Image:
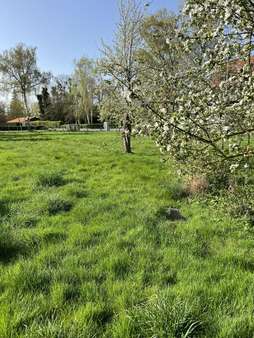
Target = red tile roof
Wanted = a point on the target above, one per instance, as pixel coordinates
(239, 64)
(19, 120)
(23, 119)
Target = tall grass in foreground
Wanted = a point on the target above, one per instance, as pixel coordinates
(85, 250)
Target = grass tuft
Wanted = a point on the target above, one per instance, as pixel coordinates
(50, 179)
(56, 204)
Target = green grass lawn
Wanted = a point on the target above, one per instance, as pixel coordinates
(86, 251)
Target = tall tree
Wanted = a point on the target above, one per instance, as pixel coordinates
(119, 62)
(61, 100)
(16, 107)
(19, 70)
(2, 112)
(83, 87)
(43, 102)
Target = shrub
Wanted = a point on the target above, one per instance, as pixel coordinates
(46, 124)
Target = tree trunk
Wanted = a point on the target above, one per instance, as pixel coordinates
(127, 134)
(88, 118)
(91, 116)
(25, 102)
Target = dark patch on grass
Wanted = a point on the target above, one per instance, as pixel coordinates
(11, 245)
(30, 222)
(120, 268)
(104, 195)
(169, 213)
(4, 208)
(243, 263)
(16, 178)
(71, 293)
(161, 214)
(24, 221)
(33, 278)
(23, 137)
(151, 231)
(201, 245)
(126, 245)
(168, 277)
(80, 193)
(9, 251)
(102, 316)
(50, 179)
(58, 205)
(178, 192)
(54, 237)
(99, 277)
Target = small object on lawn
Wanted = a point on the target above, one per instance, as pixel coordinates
(174, 214)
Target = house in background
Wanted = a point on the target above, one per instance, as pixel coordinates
(22, 121)
(230, 68)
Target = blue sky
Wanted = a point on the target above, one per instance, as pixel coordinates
(63, 30)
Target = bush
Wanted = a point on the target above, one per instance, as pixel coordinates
(46, 124)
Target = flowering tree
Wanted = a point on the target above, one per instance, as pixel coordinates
(196, 84)
(120, 66)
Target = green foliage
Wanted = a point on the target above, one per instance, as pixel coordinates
(61, 103)
(43, 102)
(83, 90)
(2, 112)
(16, 107)
(120, 67)
(47, 124)
(85, 252)
(19, 70)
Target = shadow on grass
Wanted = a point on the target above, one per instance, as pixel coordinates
(35, 136)
(20, 137)
(10, 249)
(4, 209)
(14, 244)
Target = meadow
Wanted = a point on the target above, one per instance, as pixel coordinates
(87, 251)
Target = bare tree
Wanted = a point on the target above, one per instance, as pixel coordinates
(19, 70)
(119, 61)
